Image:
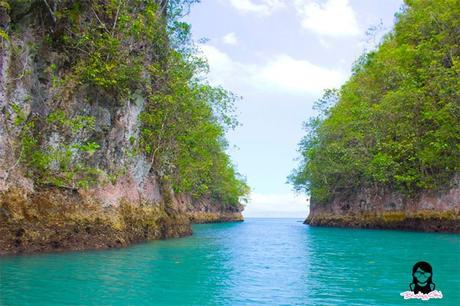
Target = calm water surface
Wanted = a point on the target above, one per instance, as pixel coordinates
(260, 261)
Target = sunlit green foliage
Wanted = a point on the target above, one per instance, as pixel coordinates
(183, 132)
(396, 121)
(54, 164)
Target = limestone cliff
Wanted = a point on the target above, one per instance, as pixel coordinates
(90, 186)
(386, 209)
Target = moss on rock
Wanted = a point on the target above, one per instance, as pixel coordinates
(213, 217)
(56, 219)
(425, 220)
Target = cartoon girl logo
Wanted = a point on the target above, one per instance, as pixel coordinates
(422, 278)
(422, 286)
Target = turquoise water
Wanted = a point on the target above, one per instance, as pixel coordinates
(259, 261)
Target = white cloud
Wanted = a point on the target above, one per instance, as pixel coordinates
(277, 205)
(329, 18)
(260, 7)
(281, 73)
(230, 39)
(287, 73)
(222, 68)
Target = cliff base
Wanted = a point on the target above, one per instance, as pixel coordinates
(56, 220)
(203, 217)
(427, 221)
(384, 208)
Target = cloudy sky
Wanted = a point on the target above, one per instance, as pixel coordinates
(279, 55)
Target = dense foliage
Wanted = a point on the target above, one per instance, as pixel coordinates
(123, 49)
(396, 122)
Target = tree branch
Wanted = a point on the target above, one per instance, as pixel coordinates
(50, 10)
(100, 21)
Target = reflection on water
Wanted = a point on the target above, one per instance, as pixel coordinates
(260, 261)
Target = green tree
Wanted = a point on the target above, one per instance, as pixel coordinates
(396, 121)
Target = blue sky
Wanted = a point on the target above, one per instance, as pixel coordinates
(279, 55)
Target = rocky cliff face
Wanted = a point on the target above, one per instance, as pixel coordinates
(87, 198)
(384, 208)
